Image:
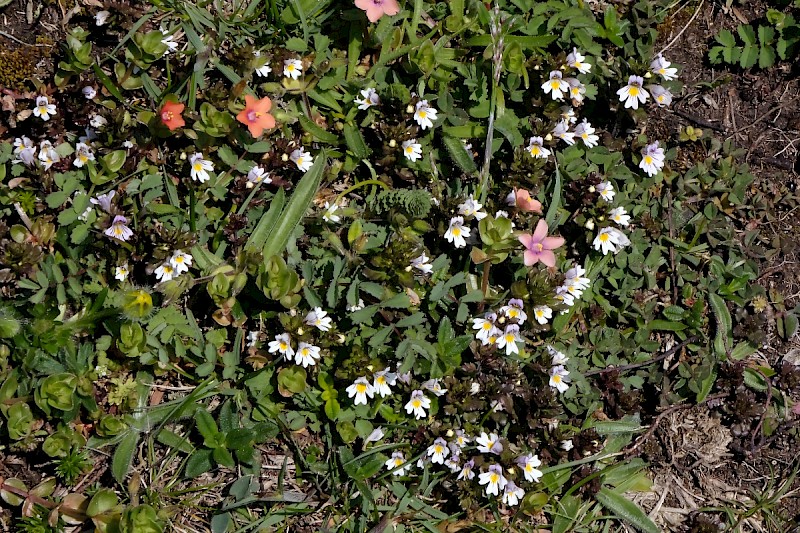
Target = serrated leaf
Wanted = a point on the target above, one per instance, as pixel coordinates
(459, 154)
(726, 39)
(766, 56)
(747, 34)
(626, 510)
(749, 56)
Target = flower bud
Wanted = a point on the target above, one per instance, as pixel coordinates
(589, 224)
(392, 143)
(410, 108)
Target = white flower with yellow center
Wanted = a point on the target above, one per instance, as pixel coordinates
(412, 150)
(121, 272)
(435, 386)
(360, 389)
(536, 148)
(306, 354)
(369, 98)
(329, 214)
(493, 479)
(292, 68)
(200, 167)
(421, 263)
(258, 175)
(165, 272)
(457, 232)
(461, 439)
(515, 310)
(119, 229)
(529, 465)
(509, 339)
(559, 378)
(417, 404)
(24, 150)
(652, 159)
(180, 261)
(382, 380)
(561, 131)
(585, 132)
(633, 93)
(578, 62)
(438, 451)
(424, 114)
(661, 67)
(489, 443)
(466, 470)
(48, 155)
(302, 159)
(493, 336)
(606, 190)
(44, 109)
(661, 95)
(556, 85)
(542, 313)
(620, 216)
(577, 90)
(471, 208)
(83, 154)
(395, 464)
(282, 344)
(484, 326)
(319, 318)
(512, 494)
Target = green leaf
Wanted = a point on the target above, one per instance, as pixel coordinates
(296, 44)
(263, 229)
(296, 208)
(626, 510)
(355, 141)
(459, 154)
(293, 379)
(206, 426)
(749, 56)
(722, 343)
(555, 202)
(123, 456)
(766, 56)
(726, 39)
(316, 131)
(198, 463)
(747, 34)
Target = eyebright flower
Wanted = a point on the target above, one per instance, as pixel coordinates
(484, 326)
(536, 149)
(24, 150)
(121, 272)
(661, 67)
(83, 153)
(566, 445)
(606, 190)
(493, 337)
(578, 62)
(568, 114)
(539, 247)
(421, 264)
(104, 200)
(264, 69)
(119, 229)
(652, 159)
(564, 295)
(453, 461)
(44, 109)
(180, 261)
(89, 92)
(489, 443)
(369, 98)
(357, 307)
(169, 41)
(302, 159)
(257, 175)
(435, 386)
(509, 339)
(329, 214)
(395, 462)
(282, 344)
(515, 310)
(307, 354)
(562, 132)
(424, 114)
(375, 9)
(165, 272)
(556, 85)
(360, 389)
(574, 278)
(255, 115)
(98, 121)
(318, 317)
(493, 479)
(633, 93)
(438, 451)
(524, 202)
(557, 358)
(661, 95)
(417, 404)
(577, 90)
(528, 464)
(200, 167)
(48, 155)
(471, 208)
(376, 435)
(292, 68)
(466, 470)
(101, 17)
(381, 381)
(559, 378)
(585, 132)
(542, 314)
(620, 216)
(171, 115)
(252, 339)
(512, 494)
(461, 438)
(456, 232)
(412, 150)
(610, 240)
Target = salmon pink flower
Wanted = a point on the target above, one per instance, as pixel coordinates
(539, 247)
(171, 115)
(255, 115)
(526, 203)
(375, 9)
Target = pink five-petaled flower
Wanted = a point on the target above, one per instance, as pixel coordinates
(539, 247)
(377, 8)
(526, 203)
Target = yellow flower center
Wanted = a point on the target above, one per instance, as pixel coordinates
(494, 478)
(557, 378)
(457, 232)
(487, 326)
(603, 237)
(299, 161)
(438, 448)
(633, 91)
(361, 388)
(415, 403)
(648, 160)
(197, 167)
(381, 380)
(555, 84)
(283, 346)
(43, 110)
(422, 113)
(509, 338)
(305, 352)
(535, 150)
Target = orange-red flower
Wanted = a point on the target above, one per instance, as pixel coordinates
(255, 115)
(171, 115)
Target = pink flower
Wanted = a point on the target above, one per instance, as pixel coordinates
(526, 203)
(377, 8)
(538, 247)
